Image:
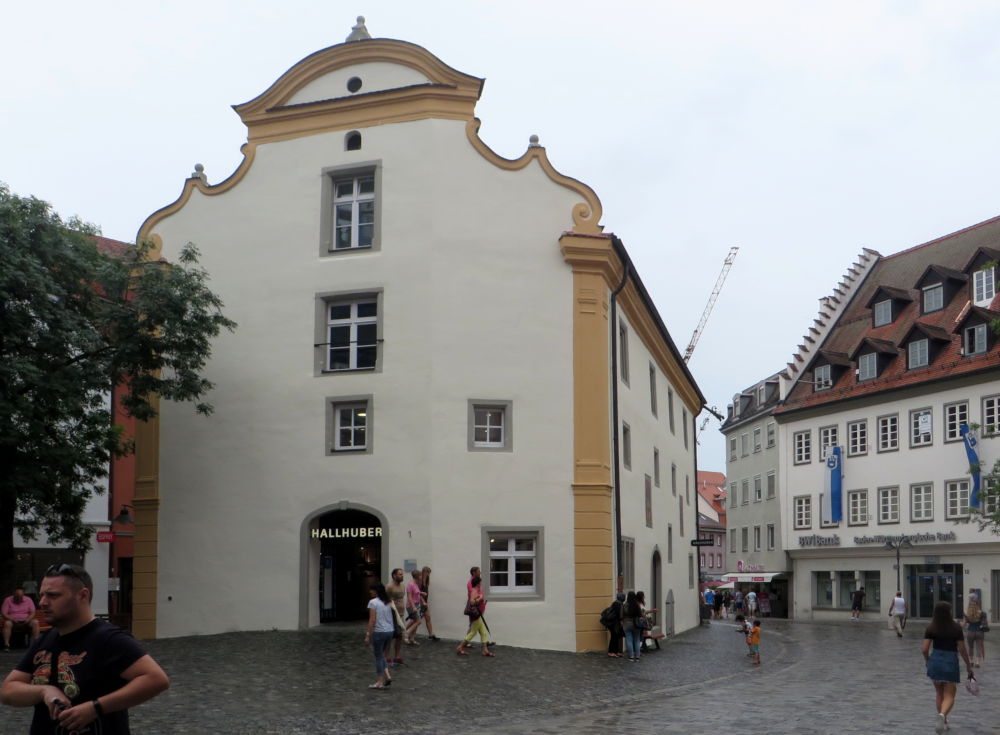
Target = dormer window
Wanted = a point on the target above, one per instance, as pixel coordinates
(984, 286)
(761, 394)
(933, 297)
(868, 366)
(918, 353)
(883, 313)
(822, 377)
(974, 340)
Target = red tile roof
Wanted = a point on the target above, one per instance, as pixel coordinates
(901, 272)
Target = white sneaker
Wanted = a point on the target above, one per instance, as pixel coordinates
(940, 725)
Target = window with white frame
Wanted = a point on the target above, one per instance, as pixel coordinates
(857, 438)
(920, 427)
(771, 434)
(802, 441)
(732, 540)
(353, 212)
(933, 297)
(956, 495)
(351, 334)
(857, 508)
(770, 536)
(758, 489)
(867, 366)
(888, 433)
(745, 494)
(628, 562)
(756, 439)
(348, 424)
(515, 566)
(822, 377)
(803, 511)
(744, 444)
(828, 439)
(670, 417)
(991, 415)
(626, 446)
(918, 352)
(955, 414)
(732, 449)
(652, 388)
(888, 505)
(974, 340)
(882, 312)
(490, 425)
(983, 286)
(922, 502)
(623, 352)
(745, 538)
(756, 538)
(761, 395)
(772, 484)
(656, 466)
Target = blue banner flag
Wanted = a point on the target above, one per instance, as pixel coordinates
(970, 451)
(833, 500)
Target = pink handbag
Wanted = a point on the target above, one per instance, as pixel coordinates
(972, 685)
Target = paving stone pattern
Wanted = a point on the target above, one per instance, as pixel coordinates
(816, 679)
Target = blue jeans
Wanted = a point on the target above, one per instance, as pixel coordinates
(380, 642)
(633, 642)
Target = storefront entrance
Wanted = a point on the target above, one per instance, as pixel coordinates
(350, 559)
(932, 583)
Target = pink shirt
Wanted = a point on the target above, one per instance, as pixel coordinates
(413, 595)
(18, 611)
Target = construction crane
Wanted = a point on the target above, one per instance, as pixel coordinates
(711, 302)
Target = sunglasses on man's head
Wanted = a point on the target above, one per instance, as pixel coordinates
(62, 568)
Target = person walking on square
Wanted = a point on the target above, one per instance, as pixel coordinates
(942, 645)
(753, 640)
(857, 603)
(750, 603)
(738, 601)
(973, 621)
(18, 616)
(898, 610)
(475, 606)
(425, 594)
(379, 632)
(84, 674)
(397, 596)
(414, 602)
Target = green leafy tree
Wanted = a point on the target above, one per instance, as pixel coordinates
(73, 322)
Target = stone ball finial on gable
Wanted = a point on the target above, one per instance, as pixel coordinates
(359, 32)
(199, 173)
(533, 142)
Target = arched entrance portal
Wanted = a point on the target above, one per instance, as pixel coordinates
(350, 559)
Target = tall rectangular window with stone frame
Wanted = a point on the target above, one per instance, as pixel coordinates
(888, 433)
(353, 211)
(921, 502)
(351, 333)
(803, 512)
(888, 505)
(955, 414)
(857, 438)
(802, 442)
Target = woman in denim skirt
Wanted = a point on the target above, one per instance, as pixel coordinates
(942, 644)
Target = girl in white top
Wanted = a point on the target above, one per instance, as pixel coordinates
(379, 633)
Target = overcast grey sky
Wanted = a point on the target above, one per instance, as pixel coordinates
(799, 131)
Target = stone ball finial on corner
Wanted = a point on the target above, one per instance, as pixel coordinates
(533, 142)
(359, 32)
(199, 173)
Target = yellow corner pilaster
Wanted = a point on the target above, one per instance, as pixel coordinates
(147, 511)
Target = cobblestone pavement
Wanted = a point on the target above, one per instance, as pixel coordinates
(843, 678)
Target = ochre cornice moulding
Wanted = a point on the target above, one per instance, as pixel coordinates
(586, 214)
(592, 254)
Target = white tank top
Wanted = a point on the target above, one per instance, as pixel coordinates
(898, 606)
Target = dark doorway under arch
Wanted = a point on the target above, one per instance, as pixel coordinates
(350, 559)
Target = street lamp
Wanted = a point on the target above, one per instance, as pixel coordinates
(902, 543)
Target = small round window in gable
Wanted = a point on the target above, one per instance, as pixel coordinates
(353, 84)
(352, 141)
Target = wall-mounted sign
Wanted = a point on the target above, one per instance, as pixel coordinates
(347, 532)
(817, 540)
(105, 537)
(744, 566)
(915, 538)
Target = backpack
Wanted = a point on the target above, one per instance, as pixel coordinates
(608, 616)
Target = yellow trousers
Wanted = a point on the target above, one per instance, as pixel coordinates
(478, 626)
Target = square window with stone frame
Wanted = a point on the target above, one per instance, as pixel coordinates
(888, 505)
(921, 502)
(956, 495)
(514, 562)
(802, 441)
(955, 414)
(802, 512)
(920, 428)
(888, 433)
(352, 339)
(857, 438)
(490, 425)
(348, 425)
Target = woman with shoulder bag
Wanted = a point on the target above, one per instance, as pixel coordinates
(943, 644)
(474, 608)
(975, 623)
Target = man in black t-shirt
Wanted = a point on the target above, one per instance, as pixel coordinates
(857, 602)
(84, 674)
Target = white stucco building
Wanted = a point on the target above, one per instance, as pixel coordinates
(432, 367)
